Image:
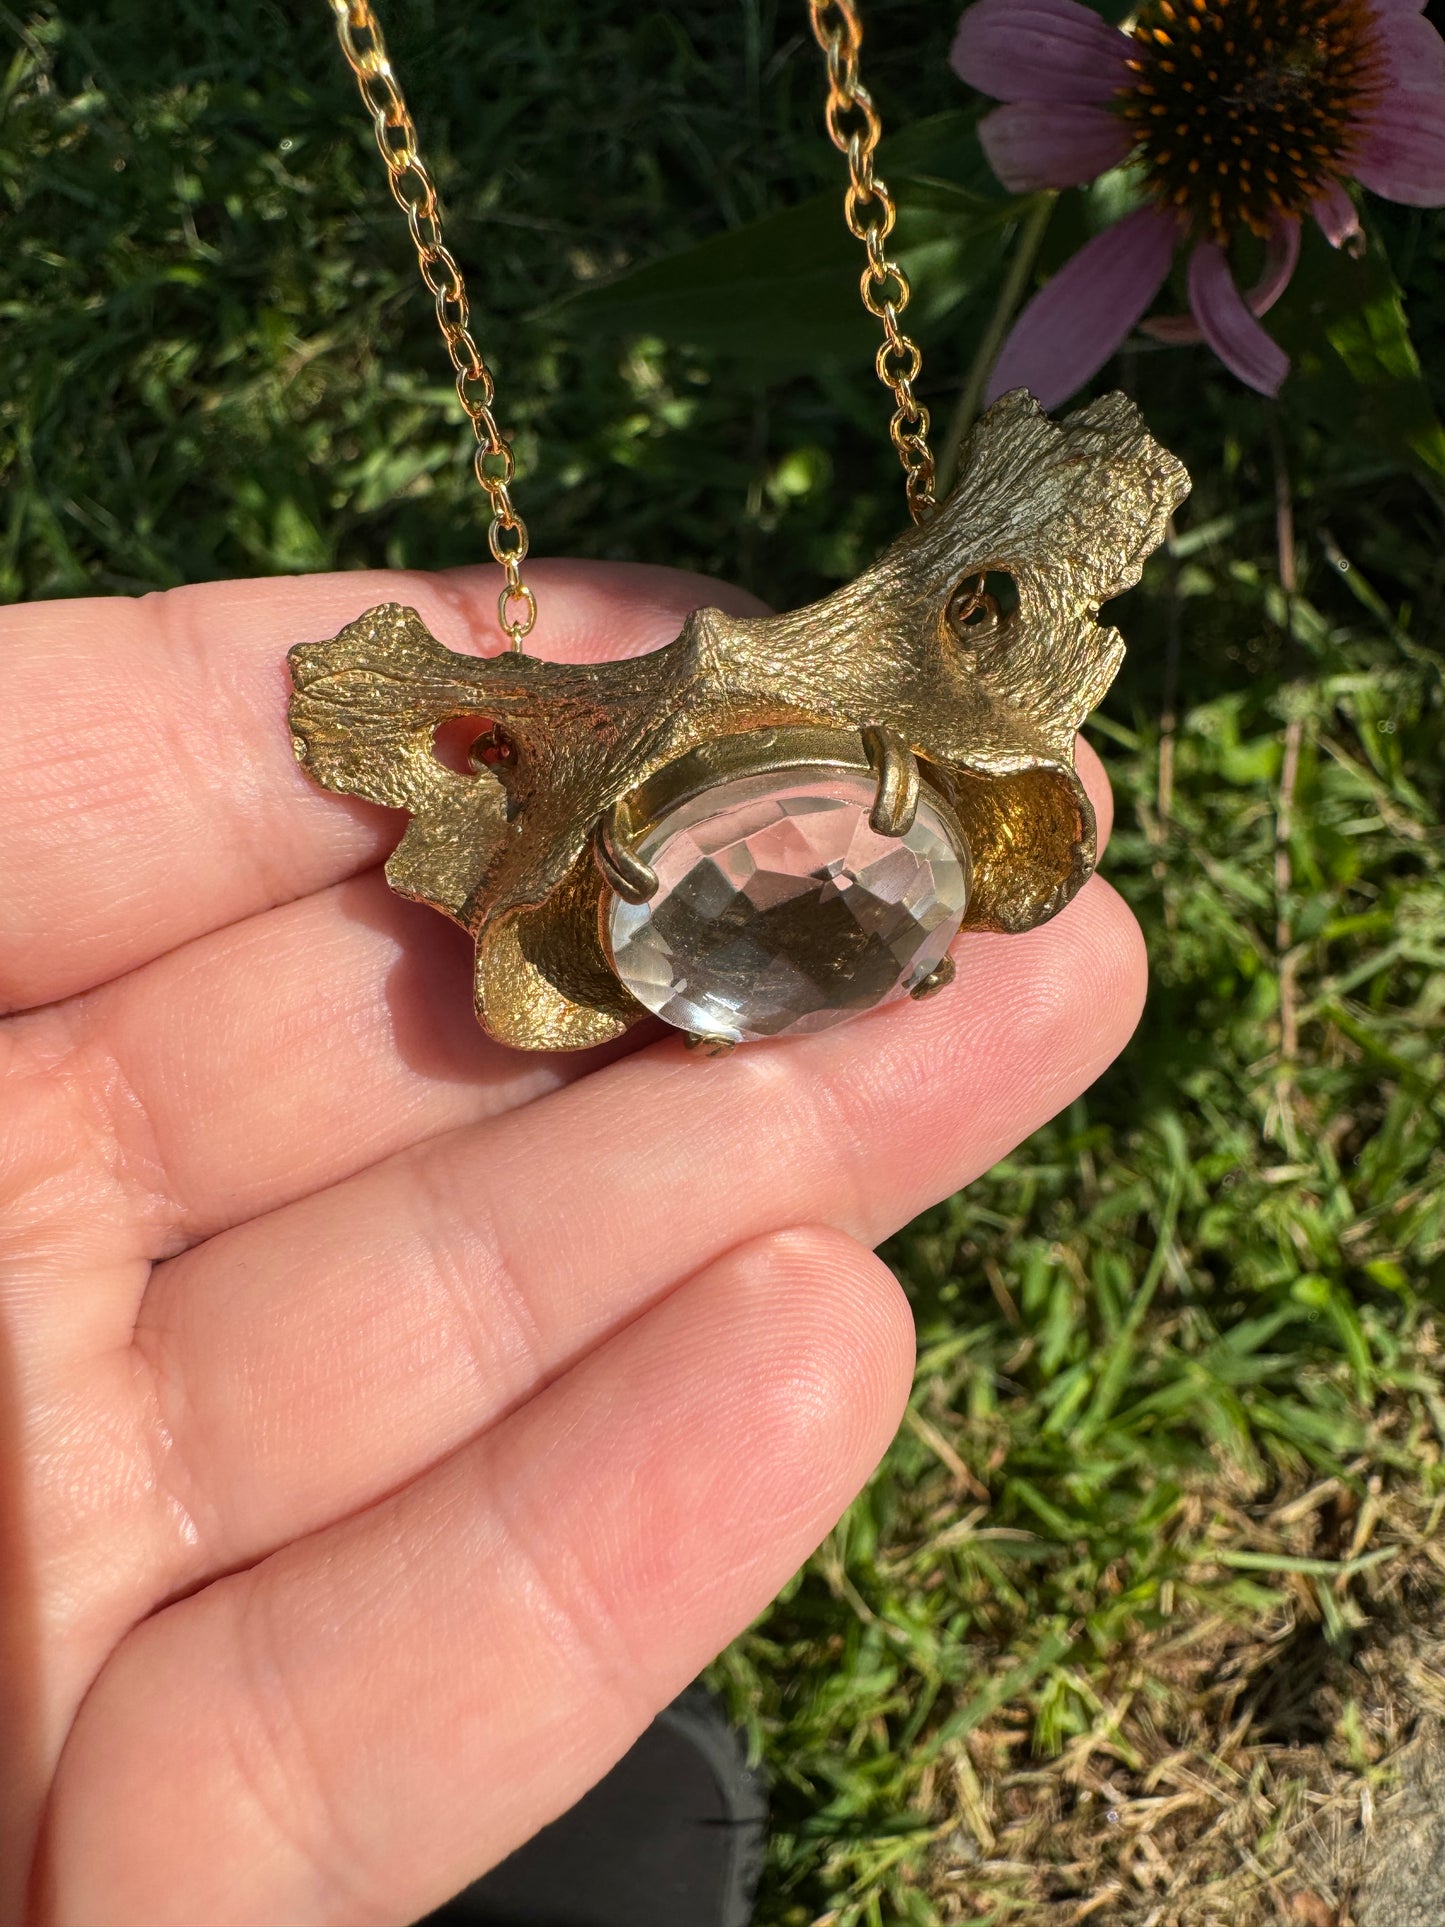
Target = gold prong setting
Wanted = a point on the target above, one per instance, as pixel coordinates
(626, 874)
(708, 1044)
(939, 978)
(896, 805)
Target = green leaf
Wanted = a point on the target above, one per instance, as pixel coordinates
(781, 294)
(944, 147)
(1357, 370)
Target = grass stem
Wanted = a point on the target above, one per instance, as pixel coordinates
(1284, 535)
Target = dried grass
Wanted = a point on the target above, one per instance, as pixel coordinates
(1274, 1775)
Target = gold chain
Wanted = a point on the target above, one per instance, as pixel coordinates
(415, 193)
(854, 129)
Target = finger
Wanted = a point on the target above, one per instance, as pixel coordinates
(286, 1052)
(1095, 779)
(148, 788)
(361, 1724)
(310, 1360)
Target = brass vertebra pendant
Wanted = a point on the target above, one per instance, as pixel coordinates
(902, 717)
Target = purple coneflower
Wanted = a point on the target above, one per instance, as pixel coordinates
(1238, 114)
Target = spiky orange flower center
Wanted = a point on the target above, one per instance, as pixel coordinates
(1246, 110)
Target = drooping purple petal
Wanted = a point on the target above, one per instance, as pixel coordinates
(1337, 215)
(1402, 155)
(1076, 321)
(1227, 324)
(1029, 145)
(1054, 50)
(1281, 258)
(1174, 330)
(1412, 51)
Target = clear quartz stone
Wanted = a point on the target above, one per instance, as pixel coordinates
(779, 909)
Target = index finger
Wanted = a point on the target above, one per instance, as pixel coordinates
(148, 790)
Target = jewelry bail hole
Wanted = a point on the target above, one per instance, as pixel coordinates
(981, 605)
(469, 744)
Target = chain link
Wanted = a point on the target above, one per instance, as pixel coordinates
(359, 31)
(854, 129)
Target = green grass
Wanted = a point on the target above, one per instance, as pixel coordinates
(1157, 1542)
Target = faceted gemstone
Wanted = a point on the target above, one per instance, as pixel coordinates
(780, 909)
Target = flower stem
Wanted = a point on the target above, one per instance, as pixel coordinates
(1030, 235)
(1285, 949)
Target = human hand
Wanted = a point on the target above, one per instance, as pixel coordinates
(391, 1423)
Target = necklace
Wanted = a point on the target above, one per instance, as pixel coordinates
(773, 822)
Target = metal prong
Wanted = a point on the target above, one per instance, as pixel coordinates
(939, 978)
(707, 1045)
(896, 768)
(626, 873)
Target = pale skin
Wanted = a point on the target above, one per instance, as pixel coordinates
(390, 1423)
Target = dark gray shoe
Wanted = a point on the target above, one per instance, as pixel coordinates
(673, 1837)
